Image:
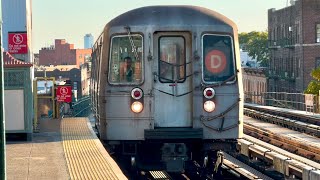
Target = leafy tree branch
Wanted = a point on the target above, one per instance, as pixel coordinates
(256, 43)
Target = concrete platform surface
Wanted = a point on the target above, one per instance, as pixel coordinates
(41, 158)
(63, 149)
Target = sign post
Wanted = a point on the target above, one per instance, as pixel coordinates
(17, 42)
(64, 94)
(309, 102)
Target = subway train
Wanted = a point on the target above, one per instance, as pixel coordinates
(166, 86)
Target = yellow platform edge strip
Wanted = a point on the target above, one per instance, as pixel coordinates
(85, 155)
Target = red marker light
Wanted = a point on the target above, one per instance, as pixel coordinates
(208, 93)
(136, 93)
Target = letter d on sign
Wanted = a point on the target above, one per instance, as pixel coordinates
(215, 61)
(218, 61)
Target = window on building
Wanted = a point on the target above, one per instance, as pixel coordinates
(298, 67)
(126, 59)
(295, 34)
(75, 85)
(318, 33)
(317, 62)
(291, 66)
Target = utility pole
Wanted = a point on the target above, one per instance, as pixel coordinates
(2, 126)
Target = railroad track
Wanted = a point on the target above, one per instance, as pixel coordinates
(290, 123)
(231, 169)
(281, 112)
(305, 158)
(292, 145)
(268, 158)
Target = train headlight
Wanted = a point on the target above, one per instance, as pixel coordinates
(209, 106)
(136, 107)
(208, 93)
(136, 93)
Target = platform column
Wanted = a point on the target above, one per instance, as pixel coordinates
(2, 125)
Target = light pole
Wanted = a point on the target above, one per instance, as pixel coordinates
(2, 126)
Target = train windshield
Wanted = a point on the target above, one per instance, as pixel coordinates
(125, 66)
(172, 59)
(218, 59)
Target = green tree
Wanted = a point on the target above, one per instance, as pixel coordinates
(314, 85)
(256, 43)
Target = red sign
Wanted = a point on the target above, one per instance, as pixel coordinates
(216, 61)
(64, 94)
(18, 43)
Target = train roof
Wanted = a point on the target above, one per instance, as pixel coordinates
(171, 15)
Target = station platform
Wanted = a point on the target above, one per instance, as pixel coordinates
(63, 149)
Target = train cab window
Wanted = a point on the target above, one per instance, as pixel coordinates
(172, 59)
(218, 58)
(125, 66)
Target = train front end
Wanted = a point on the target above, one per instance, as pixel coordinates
(173, 86)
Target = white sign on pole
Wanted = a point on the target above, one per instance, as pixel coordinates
(309, 99)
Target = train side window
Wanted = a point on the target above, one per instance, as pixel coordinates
(125, 66)
(218, 63)
(172, 60)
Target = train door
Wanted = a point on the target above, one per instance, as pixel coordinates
(172, 83)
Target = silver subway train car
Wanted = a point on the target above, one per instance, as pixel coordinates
(166, 85)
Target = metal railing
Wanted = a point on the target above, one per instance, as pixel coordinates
(81, 108)
(61, 110)
(297, 101)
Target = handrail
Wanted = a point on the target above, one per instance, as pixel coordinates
(81, 106)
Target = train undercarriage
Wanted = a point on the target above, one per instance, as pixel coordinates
(194, 156)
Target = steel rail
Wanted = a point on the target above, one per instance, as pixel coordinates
(292, 114)
(290, 167)
(289, 144)
(285, 122)
(243, 169)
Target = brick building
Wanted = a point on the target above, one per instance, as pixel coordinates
(294, 43)
(63, 53)
(254, 84)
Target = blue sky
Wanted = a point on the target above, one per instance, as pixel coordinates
(72, 19)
